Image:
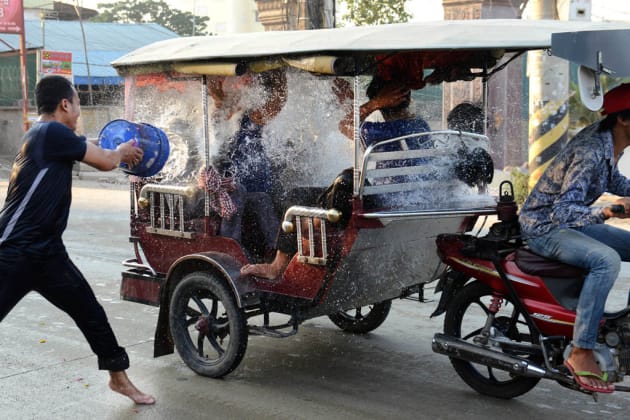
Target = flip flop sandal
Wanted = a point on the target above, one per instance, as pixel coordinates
(578, 375)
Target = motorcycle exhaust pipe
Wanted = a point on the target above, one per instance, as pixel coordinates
(460, 349)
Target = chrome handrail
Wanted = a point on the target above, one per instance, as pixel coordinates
(143, 201)
(332, 215)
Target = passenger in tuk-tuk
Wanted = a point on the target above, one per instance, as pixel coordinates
(338, 196)
(467, 117)
(386, 114)
(475, 167)
(243, 156)
(392, 99)
(242, 160)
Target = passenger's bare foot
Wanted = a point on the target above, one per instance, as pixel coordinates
(269, 271)
(119, 382)
(586, 371)
(265, 271)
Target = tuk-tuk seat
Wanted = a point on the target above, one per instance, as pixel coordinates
(386, 171)
(442, 161)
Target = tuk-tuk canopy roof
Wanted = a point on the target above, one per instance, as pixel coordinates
(506, 35)
(601, 51)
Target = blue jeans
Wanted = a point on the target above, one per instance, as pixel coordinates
(597, 248)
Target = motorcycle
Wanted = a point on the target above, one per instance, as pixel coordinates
(509, 313)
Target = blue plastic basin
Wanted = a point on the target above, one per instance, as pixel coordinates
(149, 138)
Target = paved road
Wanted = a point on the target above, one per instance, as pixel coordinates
(47, 370)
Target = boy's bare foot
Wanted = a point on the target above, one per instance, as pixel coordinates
(119, 382)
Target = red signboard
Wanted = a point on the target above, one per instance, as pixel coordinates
(56, 62)
(11, 17)
(56, 55)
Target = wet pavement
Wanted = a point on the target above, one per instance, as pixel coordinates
(47, 370)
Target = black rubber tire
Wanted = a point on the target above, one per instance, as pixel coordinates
(354, 321)
(485, 380)
(209, 329)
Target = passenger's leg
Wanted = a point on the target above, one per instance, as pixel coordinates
(66, 288)
(286, 243)
(266, 218)
(232, 227)
(286, 247)
(603, 263)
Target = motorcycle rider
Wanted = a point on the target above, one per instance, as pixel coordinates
(559, 223)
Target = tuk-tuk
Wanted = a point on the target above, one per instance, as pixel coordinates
(366, 240)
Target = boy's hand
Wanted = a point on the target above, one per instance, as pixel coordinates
(130, 153)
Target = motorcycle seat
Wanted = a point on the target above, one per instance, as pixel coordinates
(537, 265)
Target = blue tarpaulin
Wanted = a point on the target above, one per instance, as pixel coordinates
(105, 43)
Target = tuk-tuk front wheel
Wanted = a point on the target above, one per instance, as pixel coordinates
(208, 327)
(364, 319)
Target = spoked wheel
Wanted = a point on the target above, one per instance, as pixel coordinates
(363, 319)
(465, 318)
(209, 329)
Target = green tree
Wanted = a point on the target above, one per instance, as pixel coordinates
(375, 12)
(152, 11)
(579, 115)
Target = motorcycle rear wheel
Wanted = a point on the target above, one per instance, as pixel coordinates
(465, 318)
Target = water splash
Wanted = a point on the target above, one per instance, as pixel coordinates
(303, 141)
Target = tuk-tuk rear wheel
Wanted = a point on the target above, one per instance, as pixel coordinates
(362, 320)
(208, 327)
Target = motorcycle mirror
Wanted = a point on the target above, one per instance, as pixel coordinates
(590, 88)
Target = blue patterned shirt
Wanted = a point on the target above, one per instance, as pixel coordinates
(582, 171)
